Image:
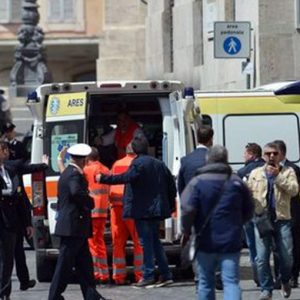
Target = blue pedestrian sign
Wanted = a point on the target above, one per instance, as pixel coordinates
(232, 39)
(232, 45)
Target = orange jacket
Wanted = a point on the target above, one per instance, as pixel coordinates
(122, 139)
(116, 191)
(98, 191)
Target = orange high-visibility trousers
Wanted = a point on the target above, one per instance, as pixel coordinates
(98, 249)
(121, 229)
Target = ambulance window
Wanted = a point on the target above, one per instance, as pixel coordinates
(239, 130)
(61, 134)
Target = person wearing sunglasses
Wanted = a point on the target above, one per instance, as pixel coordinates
(273, 186)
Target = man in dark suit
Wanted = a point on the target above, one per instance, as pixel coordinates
(74, 227)
(8, 220)
(11, 214)
(196, 159)
(17, 152)
(188, 167)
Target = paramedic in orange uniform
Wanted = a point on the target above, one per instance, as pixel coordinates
(99, 192)
(124, 132)
(121, 229)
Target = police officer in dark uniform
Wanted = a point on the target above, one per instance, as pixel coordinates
(11, 213)
(17, 152)
(16, 148)
(74, 227)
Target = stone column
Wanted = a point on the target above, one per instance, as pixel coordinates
(29, 70)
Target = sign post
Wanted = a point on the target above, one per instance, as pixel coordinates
(232, 39)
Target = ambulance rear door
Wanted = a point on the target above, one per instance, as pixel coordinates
(65, 125)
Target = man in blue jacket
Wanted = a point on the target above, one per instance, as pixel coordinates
(188, 167)
(149, 197)
(218, 192)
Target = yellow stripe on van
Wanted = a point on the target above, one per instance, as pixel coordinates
(60, 105)
(245, 105)
(289, 98)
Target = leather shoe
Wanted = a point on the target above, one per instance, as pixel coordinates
(27, 285)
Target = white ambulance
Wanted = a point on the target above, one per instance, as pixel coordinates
(66, 114)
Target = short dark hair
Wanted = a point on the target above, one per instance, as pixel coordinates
(271, 145)
(204, 134)
(94, 155)
(254, 148)
(281, 146)
(140, 143)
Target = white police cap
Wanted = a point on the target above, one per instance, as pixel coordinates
(80, 150)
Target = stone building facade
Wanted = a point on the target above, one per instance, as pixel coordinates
(180, 42)
(84, 41)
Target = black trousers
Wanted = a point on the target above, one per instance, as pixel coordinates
(20, 258)
(73, 252)
(7, 249)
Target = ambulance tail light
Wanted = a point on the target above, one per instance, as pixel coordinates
(38, 193)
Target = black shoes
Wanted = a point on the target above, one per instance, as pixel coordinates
(27, 285)
(277, 283)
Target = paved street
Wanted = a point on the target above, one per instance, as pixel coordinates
(178, 291)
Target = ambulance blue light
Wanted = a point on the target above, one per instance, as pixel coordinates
(188, 92)
(32, 97)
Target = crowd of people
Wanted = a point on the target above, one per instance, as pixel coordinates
(260, 202)
(218, 206)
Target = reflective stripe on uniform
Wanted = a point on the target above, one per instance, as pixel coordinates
(99, 210)
(138, 257)
(100, 270)
(119, 260)
(119, 271)
(99, 260)
(96, 192)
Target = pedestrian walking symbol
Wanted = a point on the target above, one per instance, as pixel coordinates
(232, 45)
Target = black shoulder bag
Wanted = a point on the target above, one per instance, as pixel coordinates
(189, 251)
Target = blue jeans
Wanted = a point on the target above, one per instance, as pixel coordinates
(250, 240)
(148, 231)
(284, 245)
(229, 265)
